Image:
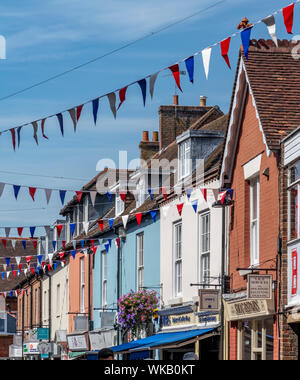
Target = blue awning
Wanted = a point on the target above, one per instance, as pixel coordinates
(161, 340)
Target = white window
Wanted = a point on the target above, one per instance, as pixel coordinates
(120, 206)
(254, 220)
(82, 285)
(104, 279)
(68, 232)
(178, 259)
(140, 260)
(294, 202)
(205, 248)
(185, 162)
(141, 196)
(86, 209)
(45, 306)
(58, 299)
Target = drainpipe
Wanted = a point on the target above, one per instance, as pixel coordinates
(89, 295)
(31, 307)
(23, 310)
(41, 300)
(49, 307)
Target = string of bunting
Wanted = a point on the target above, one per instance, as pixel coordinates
(76, 111)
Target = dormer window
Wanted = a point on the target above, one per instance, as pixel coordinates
(120, 206)
(185, 163)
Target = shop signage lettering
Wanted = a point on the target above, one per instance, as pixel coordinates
(207, 319)
(172, 320)
(260, 287)
(248, 309)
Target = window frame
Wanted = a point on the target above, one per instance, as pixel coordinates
(140, 249)
(254, 255)
(184, 162)
(204, 255)
(82, 285)
(119, 205)
(291, 186)
(177, 260)
(104, 257)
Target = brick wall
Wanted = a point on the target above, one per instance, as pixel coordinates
(249, 146)
(5, 342)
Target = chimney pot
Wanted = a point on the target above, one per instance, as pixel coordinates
(145, 136)
(155, 136)
(203, 101)
(175, 100)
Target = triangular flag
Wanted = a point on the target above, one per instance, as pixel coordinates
(74, 244)
(118, 242)
(82, 242)
(112, 103)
(64, 244)
(16, 190)
(7, 231)
(106, 247)
(28, 259)
(50, 257)
(61, 122)
(288, 16)
(195, 205)
(24, 244)
(7, 260)
(43, 129)
(20, 231)
(151, 194)
(61, 255)
(19, 135)
(72, 228)
(225, 44)
(54, 244)
(204, 193)
(111, 222)
(122, 96)
(222, 196)
(101, 224)
(85, 227)
(79, 195)
(35, 129)
(143, 85)
(152, 83)
(189, 193)
(95, 109)
(73, 253)
(245, 36)
(271, 25)
(189, 63)
(78, 112)
(62, 194)
(4, 242)
(206, 55)
(72, 113)
(230, 192)
(109, 196)
(2, 185)
(139, 217)
(32, 191)
(123, 195)
(176, 74)
(13, 137)
(13, 243)
(93, 195)
(59, 228)
(125, 220)
(40, 257)
(215, 193)
(180, 208)
(48, 193)
(164, 192)
(153, 215)
(32, 231)
(34, 242)
(94, 250)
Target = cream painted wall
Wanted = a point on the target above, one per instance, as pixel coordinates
(190, 244)
(59, 318)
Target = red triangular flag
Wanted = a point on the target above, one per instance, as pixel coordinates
(13, 136)
(79, 195)
(32, 271)
(78, 111)
(225, 49)
(95, 250)
(20, 266)
(164, 192)
(63, 244)
(4, 242)
(14, 273)
(92, 243)
(100, 222)
(123, 196)
(34, 242)
(118, 241)
(176, 74)
(139, 217)
(43, 129)
(28, 259)
(49, 267)
(204, 192)
(61, 255)
(59, 228)
(288, 15)
(122, 95)
(180, 208)
(20, 230)
(32, 191)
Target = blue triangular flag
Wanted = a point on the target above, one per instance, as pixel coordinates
(7, 259)
(245, 36)
(151, 195)
(61, 122)
(38, 269)
(111, 222)
(3, 275)
(24, 244)
(11, 294)
(153, 214)
(73, 253)
(40, 257)
(54, 244)
(32, 231)
(16, 190)
(195, 205)
(72, 228)
(82, 243)
(12, 267)
(55, 265)
(190, 67)
(230, 192)
(109, 242)
(109, 196)
(107, 247)
(35, 265)
(188, 193)
(143, 85)
(62, 194)
(95, 109)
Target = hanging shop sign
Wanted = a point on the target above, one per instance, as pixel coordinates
(260, 287)
(43, 333)
(31, 348)
(77, 342)
(209, 300)
(294, 274)
(248, 309)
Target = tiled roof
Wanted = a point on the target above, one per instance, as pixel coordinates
(274, 76)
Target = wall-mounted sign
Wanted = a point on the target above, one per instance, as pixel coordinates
(77, 342)
(43, 334)
(31, 348)
(209, 300)
(248, 309)
(260, 287)
(294, 274)
(177, 320)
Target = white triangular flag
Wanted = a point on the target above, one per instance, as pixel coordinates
(216, 194)
(271, 25)
(4, 267)
(47, 230)
(85, 227)
(48, 193)
(178, 190)
(206, 54)
(165, 210)
(18, 260)
(62, 264)
(50, 257)
(74, 244)
(7, 274)
(13, 243)
(152, 83)
(93, 195)
(112, 102)
(125, 220)
(2, 185)
(85, 252)
(25, 271)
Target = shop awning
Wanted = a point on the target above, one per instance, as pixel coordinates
(161, 339)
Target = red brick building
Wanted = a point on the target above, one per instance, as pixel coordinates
(262, 112)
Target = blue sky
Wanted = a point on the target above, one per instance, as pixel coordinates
(46, 38)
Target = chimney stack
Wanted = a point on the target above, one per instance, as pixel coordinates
(175, 100)
(149, 148)
(155, 136)
(203, 101)
(145, 136)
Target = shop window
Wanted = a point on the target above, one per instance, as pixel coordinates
(255, 340)
(294, 203)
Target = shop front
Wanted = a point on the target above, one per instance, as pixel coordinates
(252, 326)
